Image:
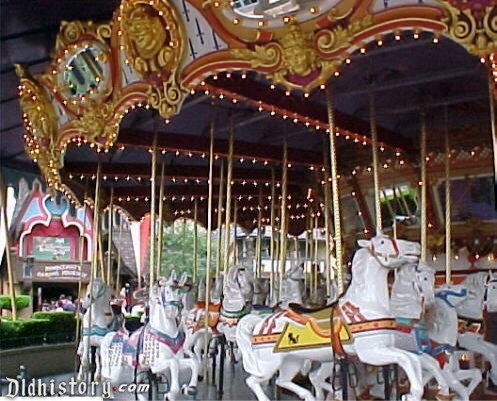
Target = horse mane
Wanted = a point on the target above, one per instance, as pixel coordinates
(360, 257)
(476, 280)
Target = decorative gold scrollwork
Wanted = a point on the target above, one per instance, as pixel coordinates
(473, 28)
(330, 40)
(40, 123)
(261, 57)
(165, 98)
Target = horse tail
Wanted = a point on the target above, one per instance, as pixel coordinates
(244, 331)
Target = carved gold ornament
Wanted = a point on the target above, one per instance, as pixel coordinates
(473, 27)
(40, 124)
(153, 38)
(94, 122)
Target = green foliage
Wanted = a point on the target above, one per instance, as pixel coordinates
(42, 328)
(177, 248)
(22, 301)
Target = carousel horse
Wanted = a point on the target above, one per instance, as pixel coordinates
(237, 291)
(194, 320)
(471, 314)
(362, 326)
(442, 331)
(157, 347)
(292, 287)
(97, 321)
(412, 292)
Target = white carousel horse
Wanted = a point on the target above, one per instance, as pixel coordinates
(412, 291)
(157, 347)
(194, 319)
(483, 285)
(292, 287)
(362, 326)
(102, 320)
(442, 331)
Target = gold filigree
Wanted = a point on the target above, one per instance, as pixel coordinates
(329, 40)
(267, 56)
(93, 123)
(166, 97)
(476, 31)
(40, 123)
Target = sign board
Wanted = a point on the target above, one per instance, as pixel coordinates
(69, 272)
(51, 248)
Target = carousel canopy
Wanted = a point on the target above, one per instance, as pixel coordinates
(168, 73)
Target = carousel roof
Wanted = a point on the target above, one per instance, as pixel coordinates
(409, 72)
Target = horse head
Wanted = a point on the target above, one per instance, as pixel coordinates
(452, 294)
(424, 283)
(96, 291)
(166, 294)
(391, 253)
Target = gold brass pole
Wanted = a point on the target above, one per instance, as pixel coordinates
(326, 211)
(273, 231)
(227, 216)
(152, 240)
(423, 188)
(195, 239)
(235, 219)
(336, 194)
(376, 172)
(96, 224)
(448, 233)
(258, 244)
(209, 229)
(316, 250)
(283, 214)
(118, 272)
(80, 255)
(307, 253)
(8, 256)
(110, 221)
(219, 261)
(160, 235)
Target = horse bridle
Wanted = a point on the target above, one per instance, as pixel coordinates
(168, 303)
(100, 294)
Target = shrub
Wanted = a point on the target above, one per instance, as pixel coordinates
(42, 328)
(22, 301)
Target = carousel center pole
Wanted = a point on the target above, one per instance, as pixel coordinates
(209, 228)
(220, 220)
(8, 256)
(160, 235)
(376, 173)
(227, 217)
(283, 222)
(335, 193)
(423, 187)
(448, 233)
(152, 241)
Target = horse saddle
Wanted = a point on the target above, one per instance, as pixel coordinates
(308, 328)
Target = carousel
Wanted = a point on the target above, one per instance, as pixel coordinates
(340, 158)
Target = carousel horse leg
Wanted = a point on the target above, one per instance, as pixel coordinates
(475, 342)
(192, 365)
(161, 366)
(98, 365)
(318, 380)
(288, 371)
(254, 383)
(431, 369)
(455, 376)
(378, 355)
